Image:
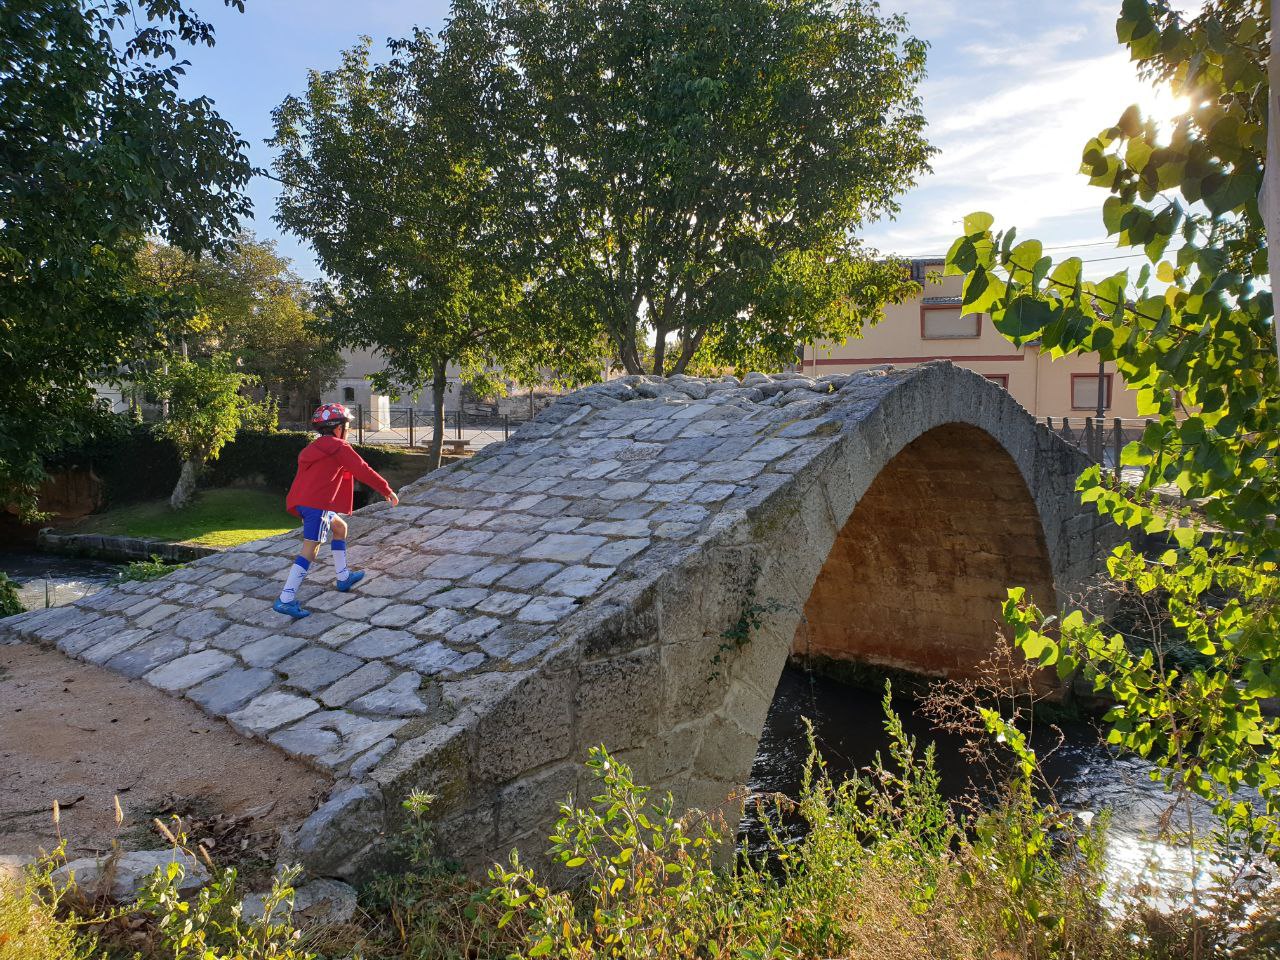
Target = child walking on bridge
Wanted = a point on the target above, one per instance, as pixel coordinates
(323, 489)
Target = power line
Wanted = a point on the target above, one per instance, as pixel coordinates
(1089, 243)
(1124, 256)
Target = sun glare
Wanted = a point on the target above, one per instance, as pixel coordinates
(1164, 107)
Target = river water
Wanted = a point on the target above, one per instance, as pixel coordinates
(46, 579)
(849, 729)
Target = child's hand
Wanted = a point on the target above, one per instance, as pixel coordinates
(395, 500)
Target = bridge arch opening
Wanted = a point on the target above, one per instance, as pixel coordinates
(916, 575)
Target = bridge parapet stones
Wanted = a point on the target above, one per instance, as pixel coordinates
(571, 586)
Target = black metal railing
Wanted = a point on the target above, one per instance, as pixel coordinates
(464, 430)
(1100, 439)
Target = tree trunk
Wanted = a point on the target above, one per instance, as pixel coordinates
(689, 344)
(659, 351)
(629, 355)
(185, 490)
(438, 384)
(631, 362)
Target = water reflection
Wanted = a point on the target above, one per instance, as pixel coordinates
(46, 579)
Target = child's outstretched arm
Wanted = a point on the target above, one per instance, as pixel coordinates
(367, 475)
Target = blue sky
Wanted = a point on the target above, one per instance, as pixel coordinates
(1015, 88)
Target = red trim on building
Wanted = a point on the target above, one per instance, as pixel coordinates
(1000, 378)
(1093, 403)
(854, 361)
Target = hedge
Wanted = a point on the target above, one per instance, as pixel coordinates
(134, 464)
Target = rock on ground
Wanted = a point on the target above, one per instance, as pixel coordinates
(127, 872)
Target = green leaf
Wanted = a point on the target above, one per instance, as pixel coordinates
(1027, 254)
(976, 223)
(1114, 210)
(1024, 317)
(1039, 647)
(1130, 122)
(1041, 270)
(1066, 275)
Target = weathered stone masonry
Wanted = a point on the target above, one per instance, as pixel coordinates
(573, 586)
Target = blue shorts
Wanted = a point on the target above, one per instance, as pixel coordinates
(315, 523)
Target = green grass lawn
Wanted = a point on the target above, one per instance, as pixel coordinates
(223, 517)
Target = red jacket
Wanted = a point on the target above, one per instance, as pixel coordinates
(326, 467)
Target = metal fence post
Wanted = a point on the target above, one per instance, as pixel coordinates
(411, 427)
(360, 422)
(459, 423)
(1119, 445)
(506, 426)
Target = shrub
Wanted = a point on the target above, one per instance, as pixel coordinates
(33, 925)
(650, 886)
(260, 416)
(429, 910)
(131, 461)
(42, 918)
(212, 926)
(136, 464)
(10, 604)
(152, 569)
(269, 458)
(885, 870)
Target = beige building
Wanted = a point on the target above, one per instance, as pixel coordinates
(931, 327)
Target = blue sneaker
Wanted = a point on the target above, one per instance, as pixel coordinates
(290, 609)
(353, 577)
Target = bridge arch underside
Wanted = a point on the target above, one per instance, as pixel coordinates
(917, 573)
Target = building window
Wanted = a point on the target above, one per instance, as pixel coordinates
(349, 394)
(1084, 391)
(946, 323)
(921, 268)
(998, 378)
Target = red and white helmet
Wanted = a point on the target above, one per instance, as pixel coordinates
(330, 413)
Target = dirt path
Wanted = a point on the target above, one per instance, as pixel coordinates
(81, 735)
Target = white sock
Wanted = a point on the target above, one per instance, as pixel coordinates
(299, 570)
(340, 558)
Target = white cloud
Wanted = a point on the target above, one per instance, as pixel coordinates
(1028, 51)
(1010, 142)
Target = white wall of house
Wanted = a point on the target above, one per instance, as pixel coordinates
(111, 397)
(353, 388)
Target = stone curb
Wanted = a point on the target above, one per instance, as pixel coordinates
(104, 547)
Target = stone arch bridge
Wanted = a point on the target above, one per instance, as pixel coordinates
(574, 586)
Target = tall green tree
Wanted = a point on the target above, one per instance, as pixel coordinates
(205, 409)
(247, 303)
(699, 169)
(402, 175)
(1193, 333)
(97, 149)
